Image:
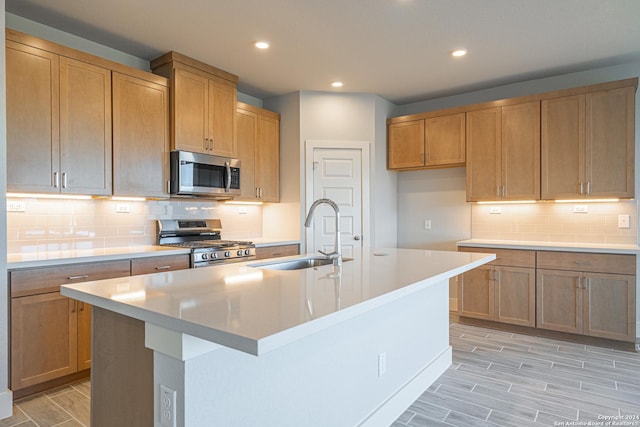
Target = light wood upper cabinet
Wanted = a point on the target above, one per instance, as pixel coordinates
(33, 88)
(503, 152)
(258, 140)
(433, 142)
(588, 145)
(405, 145)
(203, 105)
(140, 137)
(483, 155)
(58, 123)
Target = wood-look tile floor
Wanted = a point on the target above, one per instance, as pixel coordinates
(66, 406)
(497, 379)
(504, 379)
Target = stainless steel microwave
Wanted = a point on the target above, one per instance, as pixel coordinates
(195, 174)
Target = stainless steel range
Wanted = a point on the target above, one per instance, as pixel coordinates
(203, 237)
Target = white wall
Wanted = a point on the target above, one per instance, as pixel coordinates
(5, 393)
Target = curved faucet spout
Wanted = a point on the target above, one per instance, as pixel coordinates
(336, 255)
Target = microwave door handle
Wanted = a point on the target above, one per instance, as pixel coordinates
(228, 186)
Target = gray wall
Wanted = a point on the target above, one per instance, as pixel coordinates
(5, 393)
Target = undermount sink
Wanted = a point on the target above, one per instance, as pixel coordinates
(297, 263)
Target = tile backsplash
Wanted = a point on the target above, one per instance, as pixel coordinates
(48, 224)
(556, 222)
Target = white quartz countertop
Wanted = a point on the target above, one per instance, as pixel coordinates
(551, 246)
(256, 310)
(44, 258)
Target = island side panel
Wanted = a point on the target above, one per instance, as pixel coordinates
(328, 378)
(121, 372)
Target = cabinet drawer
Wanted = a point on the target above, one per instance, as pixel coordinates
(509, 257)
(577, 261)
(48, 279)
(159, 264)
(277, 251)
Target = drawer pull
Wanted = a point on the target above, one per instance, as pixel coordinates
(82, 276)
(163, 267)
(582, 262)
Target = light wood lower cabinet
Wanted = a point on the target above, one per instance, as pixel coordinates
(277, 251)
(158, 264)
(502, 291)
(50, 333)
(583, 301)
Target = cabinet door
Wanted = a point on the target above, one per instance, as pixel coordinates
(190, 112)
(246, 134)
(84, 335)
(521, 151)
(32, 118)
(43, 339)
(445, 140)
(610, 139)
(609, 306)
(267, 173)
(483, 155)
(559, 300)
(405, 145)
(562, 147)
(476, 293)
(515, 296)
(85, 128)
(140, 137)
(222, 119)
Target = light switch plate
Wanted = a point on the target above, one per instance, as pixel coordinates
(580, 208)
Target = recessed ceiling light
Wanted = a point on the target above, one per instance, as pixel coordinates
(458, 53)
(337, 84)
(262, 45)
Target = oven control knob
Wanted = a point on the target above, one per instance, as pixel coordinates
(214, 255)
(247, 251)
(227, 254)
(240, 252)
(205, 256)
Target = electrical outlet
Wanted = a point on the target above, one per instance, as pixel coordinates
(427, 224)
(623, 221)
(123, 208)
(495, 210)
(382, 364)
(242, 210)
(167, 406)
(16, 206)
(580, 208)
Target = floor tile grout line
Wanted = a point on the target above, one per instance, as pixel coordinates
(64, 410)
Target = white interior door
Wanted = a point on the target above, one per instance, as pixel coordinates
(337, 175)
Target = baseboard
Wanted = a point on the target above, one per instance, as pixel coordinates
(397, 403)
(6, 404)
(453, 304)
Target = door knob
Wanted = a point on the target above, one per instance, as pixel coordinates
(356, 237)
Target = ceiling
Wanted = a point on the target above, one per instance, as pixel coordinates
(398, 49)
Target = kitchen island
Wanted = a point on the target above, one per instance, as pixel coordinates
(246, 345)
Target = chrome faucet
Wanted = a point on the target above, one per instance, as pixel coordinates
(336, 255)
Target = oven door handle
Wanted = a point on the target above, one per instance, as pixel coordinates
(227, 188)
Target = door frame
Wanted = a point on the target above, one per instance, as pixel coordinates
(365, 147)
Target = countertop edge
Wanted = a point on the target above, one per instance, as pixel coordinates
(550, 246)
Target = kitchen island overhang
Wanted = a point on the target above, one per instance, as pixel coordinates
(352, 347)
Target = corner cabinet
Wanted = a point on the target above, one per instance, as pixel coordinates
(58, 122)
(501, 291)
(258, 142)
(432, 142)
(203, 105)
(140, 136)
(588, 145)
(503, 153)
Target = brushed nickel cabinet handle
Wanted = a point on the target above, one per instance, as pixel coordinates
(82, 276)
(163, 267)
(56, 180)
(64, 180)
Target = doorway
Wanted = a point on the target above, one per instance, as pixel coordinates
(338, 170)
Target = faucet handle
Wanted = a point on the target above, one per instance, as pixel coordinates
(330, 254)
